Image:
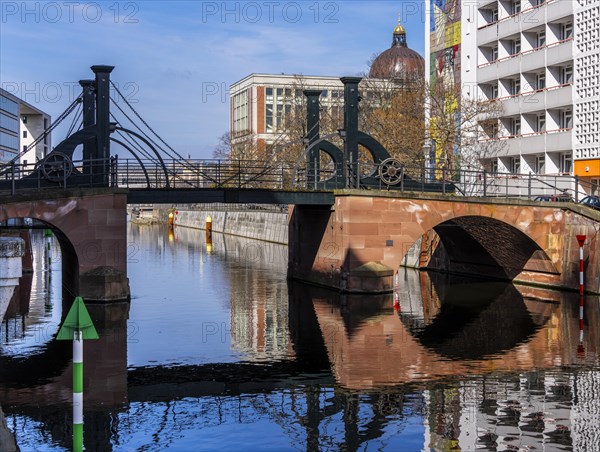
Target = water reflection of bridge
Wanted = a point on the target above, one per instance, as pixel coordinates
(366, 344)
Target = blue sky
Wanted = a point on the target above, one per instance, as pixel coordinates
(176, 59)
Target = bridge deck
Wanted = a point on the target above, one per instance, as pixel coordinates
(264, 196)
(229, 195)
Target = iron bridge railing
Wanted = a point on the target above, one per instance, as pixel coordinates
(137, 174)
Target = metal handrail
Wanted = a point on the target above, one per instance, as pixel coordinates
(210, 174)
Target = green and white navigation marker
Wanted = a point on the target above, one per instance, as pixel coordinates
(77, 326)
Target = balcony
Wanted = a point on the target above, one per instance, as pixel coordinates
(533, 59)
(487, 73)
(537, 143)
(502, 68)
(532, 17)
(536, 101)
(559, 52)
(559, 140)
(509, 66)
(509, 26)
(531, 143)
(487, 34)
(524, 103)
(558, 10)
(561, 96)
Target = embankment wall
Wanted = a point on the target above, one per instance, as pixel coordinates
(266, 226)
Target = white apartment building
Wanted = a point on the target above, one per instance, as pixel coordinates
(20, 125)
(541, 60)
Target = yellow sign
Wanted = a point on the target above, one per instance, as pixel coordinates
(452, 35)
(587, 168)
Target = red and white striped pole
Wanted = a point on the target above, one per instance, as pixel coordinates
(581, 241)
(396, 294)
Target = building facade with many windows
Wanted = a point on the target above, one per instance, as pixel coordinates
(540, 59)
(21, 124)
(261, 105)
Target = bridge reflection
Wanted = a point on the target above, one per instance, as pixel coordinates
(444, 327)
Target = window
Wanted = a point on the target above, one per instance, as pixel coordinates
(566, 31)
(516, 46)
(494, 15)
(566, 162)
(490, 128)
(540, 164)
(8, 122)
(9, 141)
(494, 130)
(541, 80)
(9, 106)
(541, 38)
(269, 118)
(515, 165)
(494, 166)
(515, 126)
(515, 86)
(279, 124)
(24, 148)
(537, 2)
(566, 75)
(24, 119)
(24, 133)
(494, 54)
(269, 92)
(540, 123)
(494, 92)
(566, 119)
(515, 7)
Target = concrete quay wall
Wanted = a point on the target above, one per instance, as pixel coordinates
(265, 226)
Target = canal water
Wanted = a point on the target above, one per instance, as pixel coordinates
(217, 351)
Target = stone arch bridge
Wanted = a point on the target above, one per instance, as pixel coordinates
(357, 244)
(353, 241)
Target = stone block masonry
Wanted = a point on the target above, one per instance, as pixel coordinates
(91, 227)
(353, 245)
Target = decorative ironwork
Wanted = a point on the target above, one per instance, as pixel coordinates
(57, 167)
(391, 172)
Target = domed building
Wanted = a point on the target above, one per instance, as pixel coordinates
(398, 63)
(260, 103)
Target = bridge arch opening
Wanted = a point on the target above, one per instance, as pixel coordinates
(480, 246)
(68, 255)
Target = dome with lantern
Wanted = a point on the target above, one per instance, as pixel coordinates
(398, 63)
